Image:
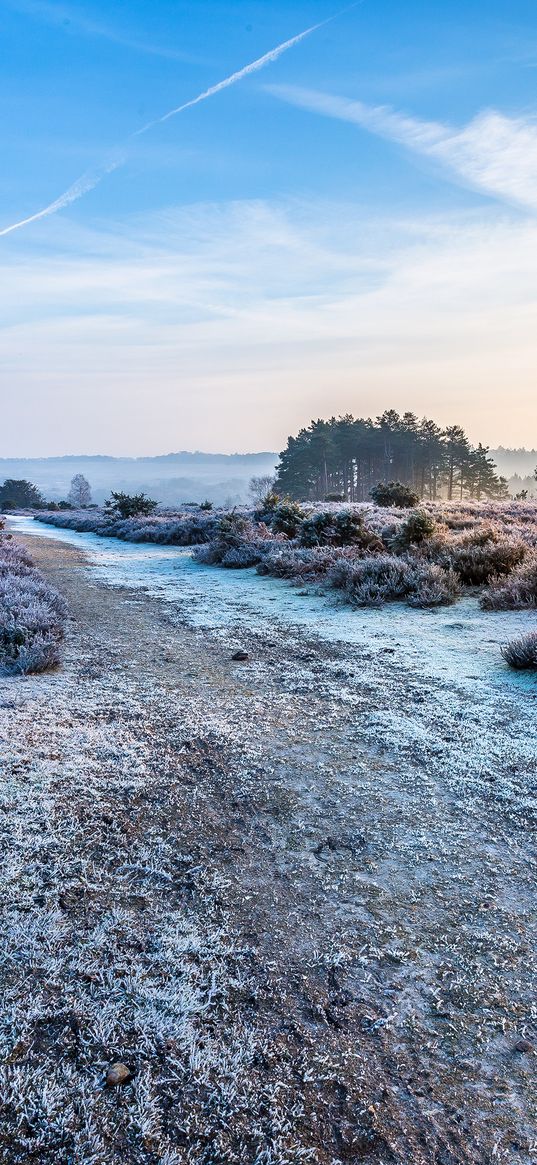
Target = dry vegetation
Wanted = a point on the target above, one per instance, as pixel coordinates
(367, 554)
(32, 613)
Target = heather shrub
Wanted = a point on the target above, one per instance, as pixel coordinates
(476, 564)
(210, 554)
(432, 586)
(417, 528)
(241, 557)
(370, 582)
(521, 653)
(516, 592)
(32, 614)
(394, 493)
(482, 535)
(298, 562)
(237, 543)
(346, 528)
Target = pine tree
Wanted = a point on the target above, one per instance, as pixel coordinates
(20, 494)
(347, 457)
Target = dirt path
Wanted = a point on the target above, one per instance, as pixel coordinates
(307, 938)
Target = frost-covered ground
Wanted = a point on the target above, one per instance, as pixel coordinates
(358, 804)
(457, 644)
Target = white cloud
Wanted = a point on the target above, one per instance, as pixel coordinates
(230, 326)
(493, 153)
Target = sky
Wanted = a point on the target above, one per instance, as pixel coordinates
(349, 226)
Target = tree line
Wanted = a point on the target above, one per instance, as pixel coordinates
(17, 493)
(345, 457)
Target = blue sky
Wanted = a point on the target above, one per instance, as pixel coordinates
(351, 227)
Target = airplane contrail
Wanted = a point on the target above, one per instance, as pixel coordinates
(238, 76)
(82, 185)
(91, 179)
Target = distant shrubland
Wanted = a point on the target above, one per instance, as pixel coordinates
(32, 613)
(366, 554)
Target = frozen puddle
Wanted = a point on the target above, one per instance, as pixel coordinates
(459, 645)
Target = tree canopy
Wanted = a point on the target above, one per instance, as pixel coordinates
(348, 456)
(130, 505)
(19, 494)
(80, 491)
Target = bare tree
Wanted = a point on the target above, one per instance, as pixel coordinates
(259, 487)
(80, 491)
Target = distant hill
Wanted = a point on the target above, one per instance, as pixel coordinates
(170, 478)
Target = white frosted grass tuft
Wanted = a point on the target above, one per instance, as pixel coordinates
(521, 653)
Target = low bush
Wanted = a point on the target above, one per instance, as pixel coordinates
(476, 564)
(394, 493)
(130, 505)
(521, 653)
(234, 557)
(287, 518)
(281, 515)
(298, 562)
(370, 582)
(237, 543)
(32, 613)
(416, 529)
(432, 586)
(516, 592)
(345, 528)
(241, 557)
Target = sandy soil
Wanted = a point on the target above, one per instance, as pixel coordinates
(293, 895)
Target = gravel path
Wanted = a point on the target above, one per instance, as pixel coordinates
(293, 895)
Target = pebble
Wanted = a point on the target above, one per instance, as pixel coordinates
(117, 1074)
(524, 1046)
(240, 656)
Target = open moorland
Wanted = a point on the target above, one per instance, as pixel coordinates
(290, 894)
(365, 554)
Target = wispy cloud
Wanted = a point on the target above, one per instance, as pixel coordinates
(493, 153)
(75, 20)
(232, 324)
(88, 181)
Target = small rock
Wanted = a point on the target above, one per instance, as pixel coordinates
(117, 1074)
(524, 1046)
(240, 656)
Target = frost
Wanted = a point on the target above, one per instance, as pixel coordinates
(32, 613)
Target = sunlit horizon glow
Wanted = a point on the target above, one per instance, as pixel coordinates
(354, 232)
